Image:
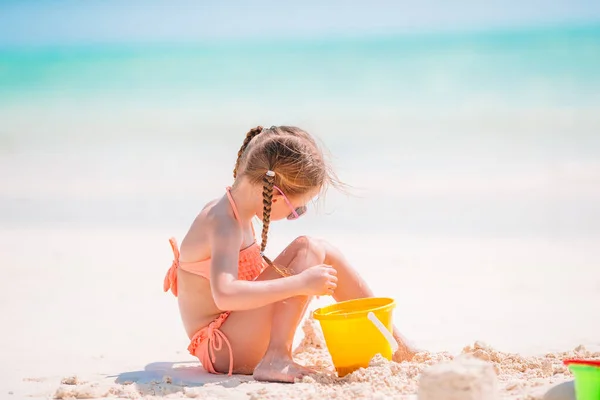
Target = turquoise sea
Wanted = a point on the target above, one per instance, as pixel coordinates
(543, 66)
(475, 133)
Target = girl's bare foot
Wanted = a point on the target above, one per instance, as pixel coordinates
(279, 368)
(406, 350)
(404, 354)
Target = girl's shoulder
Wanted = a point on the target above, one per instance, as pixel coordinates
(215, 215)
(210, 221)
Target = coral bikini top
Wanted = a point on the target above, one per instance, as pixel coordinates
(250, 264)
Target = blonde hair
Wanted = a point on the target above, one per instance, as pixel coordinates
(293, 155)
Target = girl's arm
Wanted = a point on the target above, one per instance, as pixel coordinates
(231, 293)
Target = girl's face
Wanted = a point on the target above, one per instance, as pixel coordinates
(289, 207)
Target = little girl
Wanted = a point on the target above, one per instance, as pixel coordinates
(240, 309)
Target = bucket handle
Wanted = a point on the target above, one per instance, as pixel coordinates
(384, 331)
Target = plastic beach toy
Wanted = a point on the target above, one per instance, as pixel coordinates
(356, 330)
(587, 378)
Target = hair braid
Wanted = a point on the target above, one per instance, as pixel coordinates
(268, 182)
(249, 136)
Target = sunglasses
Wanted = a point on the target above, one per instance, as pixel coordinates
(296, 212)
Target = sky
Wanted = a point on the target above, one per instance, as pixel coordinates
(27, 22)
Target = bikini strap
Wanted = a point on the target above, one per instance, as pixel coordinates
(170, 281)
(235, 211)
(233, 207)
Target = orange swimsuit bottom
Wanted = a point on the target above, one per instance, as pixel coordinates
(210, 338)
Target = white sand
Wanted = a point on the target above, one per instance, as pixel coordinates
(492, 375)
(86, 308)
(464, 378)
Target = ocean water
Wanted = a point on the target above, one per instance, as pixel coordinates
(483, 134)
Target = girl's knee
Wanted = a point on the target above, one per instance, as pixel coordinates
(301, 242)
(310, 248)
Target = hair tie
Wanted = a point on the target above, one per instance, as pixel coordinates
(270, 173)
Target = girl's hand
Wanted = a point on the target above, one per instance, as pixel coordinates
(319, 280)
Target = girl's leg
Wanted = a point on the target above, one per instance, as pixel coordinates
(288, 313)
(268, 332)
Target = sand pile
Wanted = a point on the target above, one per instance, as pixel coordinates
(517, 376)
(464, 378)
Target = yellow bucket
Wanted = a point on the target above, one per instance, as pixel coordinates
(356, 330)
